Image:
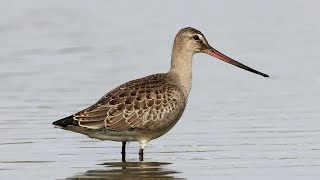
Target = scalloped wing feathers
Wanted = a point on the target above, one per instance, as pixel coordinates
(135, 104)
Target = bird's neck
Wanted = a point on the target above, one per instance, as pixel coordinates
(181, 68)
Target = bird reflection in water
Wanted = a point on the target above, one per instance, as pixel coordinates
(129, 170)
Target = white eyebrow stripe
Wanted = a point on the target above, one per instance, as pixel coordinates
(200, 36)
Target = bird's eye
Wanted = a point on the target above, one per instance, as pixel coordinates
(196, 38)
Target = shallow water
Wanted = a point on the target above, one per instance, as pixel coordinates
(58, 57)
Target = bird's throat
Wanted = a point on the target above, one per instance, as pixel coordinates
(181, 69)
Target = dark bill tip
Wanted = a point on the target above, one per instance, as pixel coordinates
(219, 55)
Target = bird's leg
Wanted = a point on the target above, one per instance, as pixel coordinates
(141, 154)
(123, 152)
(143, 144)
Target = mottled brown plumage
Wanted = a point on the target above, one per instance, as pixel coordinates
(143, 104)
(146, 108)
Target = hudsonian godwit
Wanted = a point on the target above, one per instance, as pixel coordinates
(146, 108)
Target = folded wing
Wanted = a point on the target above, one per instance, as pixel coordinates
(136, 105)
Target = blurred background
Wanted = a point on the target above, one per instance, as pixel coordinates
(58, 57)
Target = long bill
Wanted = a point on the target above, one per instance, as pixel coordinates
(219, 55)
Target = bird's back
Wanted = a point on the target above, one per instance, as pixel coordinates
(149, 104)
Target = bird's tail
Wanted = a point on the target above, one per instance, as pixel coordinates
(68, 121)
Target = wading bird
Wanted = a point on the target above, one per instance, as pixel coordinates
(146, 108)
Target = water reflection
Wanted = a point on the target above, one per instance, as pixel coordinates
(129, 170)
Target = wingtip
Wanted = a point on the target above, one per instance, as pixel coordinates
(64, 122)
(56, 124)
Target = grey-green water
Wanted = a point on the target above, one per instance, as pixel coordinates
(58, 57)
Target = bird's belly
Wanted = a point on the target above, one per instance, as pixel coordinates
(165, 126)
(105, 134)
(124, 135)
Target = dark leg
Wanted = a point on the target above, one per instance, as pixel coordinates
(141, 154)
(123, 152)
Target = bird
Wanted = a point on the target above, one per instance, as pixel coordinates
(147, 108)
